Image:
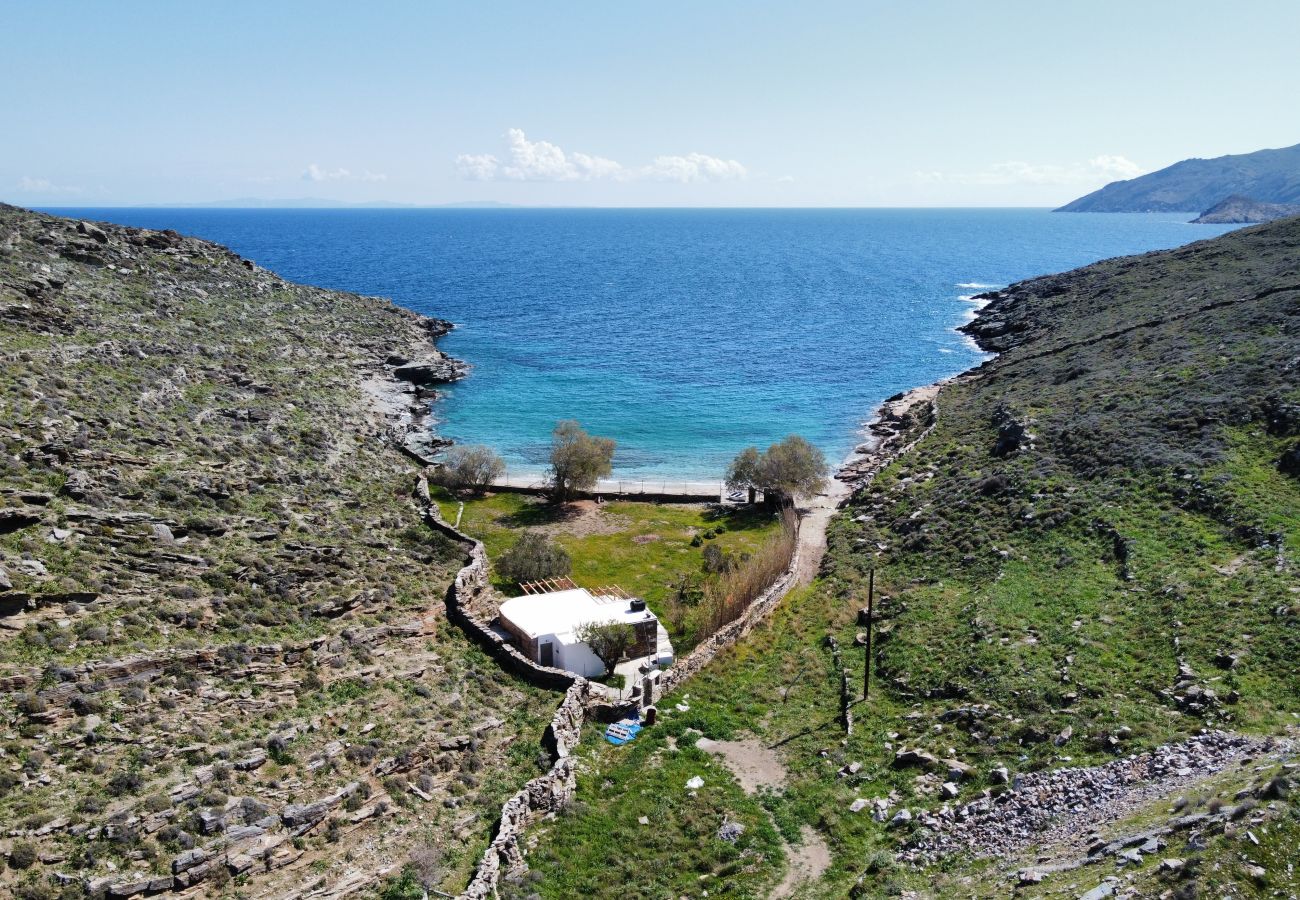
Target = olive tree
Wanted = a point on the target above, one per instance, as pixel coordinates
(610, 641)
(473, 468)
(787, 469)
(578, 460)
(533, 558)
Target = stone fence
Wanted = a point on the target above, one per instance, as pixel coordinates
(543, 796)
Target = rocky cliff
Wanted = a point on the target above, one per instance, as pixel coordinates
(222, 645)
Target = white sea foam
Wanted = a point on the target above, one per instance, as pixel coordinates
(976, 284)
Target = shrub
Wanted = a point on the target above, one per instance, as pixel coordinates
(608, 640)
(471, 468)
(22, 855)
(727, 597)
(532, 558)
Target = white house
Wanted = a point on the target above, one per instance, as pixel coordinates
(545, 624)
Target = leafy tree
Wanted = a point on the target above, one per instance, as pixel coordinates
(790, 468)
(532, 558)
(472, 468)
(608, 640)
(578, 460)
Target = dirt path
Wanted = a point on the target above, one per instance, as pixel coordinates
(758, 766)
(754, 765)
(815, 515)
(807, 863)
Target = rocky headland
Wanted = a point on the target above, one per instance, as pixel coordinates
(1238, 210)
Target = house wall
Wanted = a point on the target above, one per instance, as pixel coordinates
(527, 645)
(577, 657)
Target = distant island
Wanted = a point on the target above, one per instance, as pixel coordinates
(1265, 176)
(1244, 211)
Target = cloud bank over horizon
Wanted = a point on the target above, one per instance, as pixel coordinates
(543, 161)
(314, 172)
(1100, 169)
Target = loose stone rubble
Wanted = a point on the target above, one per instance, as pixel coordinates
(1059, 806)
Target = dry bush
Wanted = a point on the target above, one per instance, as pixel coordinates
(727, 597)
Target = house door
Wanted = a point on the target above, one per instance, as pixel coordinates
(546, 654)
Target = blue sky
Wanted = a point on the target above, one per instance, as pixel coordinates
(631, 104)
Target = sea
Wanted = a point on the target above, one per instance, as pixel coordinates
(684, 334)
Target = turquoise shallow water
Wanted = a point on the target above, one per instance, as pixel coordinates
(684, 334)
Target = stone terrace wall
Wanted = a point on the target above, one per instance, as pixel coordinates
(544, 795)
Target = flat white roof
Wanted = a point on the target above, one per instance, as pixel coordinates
(562, 612)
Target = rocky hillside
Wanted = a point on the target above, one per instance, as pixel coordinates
(1268, 176)
(1238, 210)
(222, 651)
(1100, 531)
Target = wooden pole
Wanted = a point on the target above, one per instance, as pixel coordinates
(866, 658)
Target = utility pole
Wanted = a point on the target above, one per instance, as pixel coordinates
(866, 659)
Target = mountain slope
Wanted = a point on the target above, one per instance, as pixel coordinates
(222, 643)
(1268, 176)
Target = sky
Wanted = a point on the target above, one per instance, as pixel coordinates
(812, 103)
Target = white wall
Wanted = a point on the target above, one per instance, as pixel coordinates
(578, 658)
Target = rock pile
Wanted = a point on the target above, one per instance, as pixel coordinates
(1039, 806)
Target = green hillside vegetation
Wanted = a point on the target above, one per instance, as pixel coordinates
(1102, 506)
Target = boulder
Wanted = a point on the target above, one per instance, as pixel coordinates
(958, 770)
(913, 758)
(188, 860)
(17, 519)
(999, 775)
(1013, 434)
(1289, 464)
(433, 369)
(93, 231)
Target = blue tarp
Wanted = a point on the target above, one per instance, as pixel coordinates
(622, 732)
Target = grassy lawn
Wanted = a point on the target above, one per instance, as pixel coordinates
(602, 849)
(644, 548)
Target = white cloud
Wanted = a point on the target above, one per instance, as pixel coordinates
(544, 161)
(477, 167)
(1116, 166)
(785, 179)
(694, 167)
(1106, 167)
(45, 186)
(314, 172)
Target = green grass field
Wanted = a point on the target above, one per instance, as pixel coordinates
(644, 548)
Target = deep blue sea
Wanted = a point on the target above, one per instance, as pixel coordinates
(684, 334)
